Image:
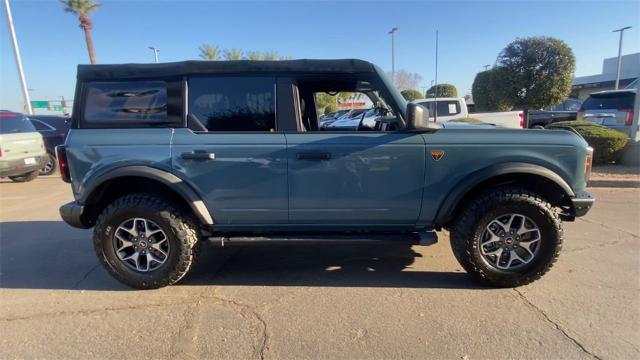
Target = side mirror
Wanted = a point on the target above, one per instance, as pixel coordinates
(417, 117)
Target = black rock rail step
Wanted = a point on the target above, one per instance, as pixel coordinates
(422, 238)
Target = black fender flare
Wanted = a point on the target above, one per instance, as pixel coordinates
(162, 176)
(462, 188)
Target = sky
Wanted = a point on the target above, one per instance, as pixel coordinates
(471, 35)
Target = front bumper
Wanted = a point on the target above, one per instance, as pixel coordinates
(72, 213)
(17, 167)
(582, 203)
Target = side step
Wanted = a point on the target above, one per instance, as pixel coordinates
(422, 238)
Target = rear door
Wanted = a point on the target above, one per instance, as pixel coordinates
(232, 152)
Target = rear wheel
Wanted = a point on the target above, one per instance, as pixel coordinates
(24, 178)
(145, 242)
(507, 237)
(51, 166)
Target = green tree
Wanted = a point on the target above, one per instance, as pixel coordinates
(489, 92)
(253, 55)
(538, 71)
(330, 109)
(83, 8)
(442, 90)
(411, 94)
(232, 54)
(209, 52)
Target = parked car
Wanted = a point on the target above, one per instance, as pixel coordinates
(22, 151)
(565, 111)
(611, 108)
(361, 120)
(346, 120)
(54, 131)
(330, 118)
(157, 170)
(447, 109)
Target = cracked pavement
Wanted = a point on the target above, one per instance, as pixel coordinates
(316, 301)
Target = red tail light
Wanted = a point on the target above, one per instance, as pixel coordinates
(63, 165)
(629, 119)
(1, 151)
(521, 115)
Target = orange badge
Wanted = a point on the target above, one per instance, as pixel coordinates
(437, 154)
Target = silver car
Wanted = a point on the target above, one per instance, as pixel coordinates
(22, 152)
(611, 108)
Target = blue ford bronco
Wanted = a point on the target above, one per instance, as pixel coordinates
(164, 157)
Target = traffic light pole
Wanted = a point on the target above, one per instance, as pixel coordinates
(16, 54)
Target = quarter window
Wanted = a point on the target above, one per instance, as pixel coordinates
(126, 102)
(233, 103)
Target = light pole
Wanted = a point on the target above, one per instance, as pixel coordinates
(393, 56)
(621, 31)
(16, 54)
(155, 53)
(486, 67)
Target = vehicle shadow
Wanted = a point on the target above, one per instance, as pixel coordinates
(53, 255)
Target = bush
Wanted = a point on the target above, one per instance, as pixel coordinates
(469, 120)
(607, 143)
(443, 90)
(411, 94)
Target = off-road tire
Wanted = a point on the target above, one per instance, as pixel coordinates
(467, 231)
(25, 178)
(179, 227)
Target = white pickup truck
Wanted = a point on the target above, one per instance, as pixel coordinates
(456, 108)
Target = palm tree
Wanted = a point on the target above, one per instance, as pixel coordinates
(209, 52)
(233, 54)
(83, 8)
(253, 55)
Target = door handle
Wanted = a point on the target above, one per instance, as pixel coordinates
(198, 155)
(313, 156)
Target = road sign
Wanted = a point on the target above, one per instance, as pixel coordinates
(57, 107)
(40, 104)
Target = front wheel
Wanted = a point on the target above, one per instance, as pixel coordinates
(145, 242)
(507, 237)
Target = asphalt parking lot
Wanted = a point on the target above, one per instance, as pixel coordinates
(315, 302)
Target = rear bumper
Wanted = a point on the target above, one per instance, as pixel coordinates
(72, 213)
(582, 203)
(17, 167)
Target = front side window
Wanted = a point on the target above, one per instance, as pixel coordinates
(126, 102)
(233, 103)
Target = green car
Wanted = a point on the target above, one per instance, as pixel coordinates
(22, 152)
(164, 157)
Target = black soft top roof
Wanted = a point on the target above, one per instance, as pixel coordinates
(132, 71)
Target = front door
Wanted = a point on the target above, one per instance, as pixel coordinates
(232, 154)
(355, 178)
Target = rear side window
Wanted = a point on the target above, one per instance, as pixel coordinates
(126, 103)
(609, 101)
(233, 103)
(15, 124)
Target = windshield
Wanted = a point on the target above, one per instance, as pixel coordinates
(397, 97)
(15, 124)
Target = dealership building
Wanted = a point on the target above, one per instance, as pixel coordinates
(585, 85)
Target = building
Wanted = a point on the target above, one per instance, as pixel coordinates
(585, 85)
